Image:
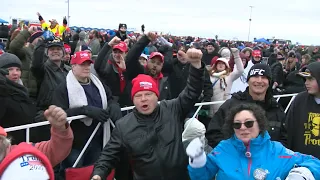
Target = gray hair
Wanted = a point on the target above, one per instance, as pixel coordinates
(4, 144)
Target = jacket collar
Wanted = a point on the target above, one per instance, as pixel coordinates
(254, 143)
(269, 101)
(54, 66)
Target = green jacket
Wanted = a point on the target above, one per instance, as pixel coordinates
(25, 54)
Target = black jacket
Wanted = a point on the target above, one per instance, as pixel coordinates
(153, 142)
(134, 68)
(80, 130)
(274, 113)
(178, 75)
(48, 76)
(16, 108)
(277, 73)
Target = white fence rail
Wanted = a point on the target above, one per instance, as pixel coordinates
(106, 126)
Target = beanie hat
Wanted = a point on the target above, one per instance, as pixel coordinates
(122, 25)
(9, 60)
(260, 70)
(26, 162)
(35, 36)
(144, 83)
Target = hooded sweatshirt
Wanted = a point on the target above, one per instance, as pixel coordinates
(303, 120)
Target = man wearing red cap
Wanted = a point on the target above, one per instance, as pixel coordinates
(151, 134)
(83, 94)
(153, 68)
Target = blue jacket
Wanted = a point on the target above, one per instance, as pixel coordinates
(231, 159)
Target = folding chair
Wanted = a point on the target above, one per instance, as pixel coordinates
(83, 173)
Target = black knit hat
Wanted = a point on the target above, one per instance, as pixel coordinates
(122, 25)
(9, 60)
(260, 69)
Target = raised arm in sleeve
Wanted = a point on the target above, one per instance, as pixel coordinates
(100, 64)
(37, 67)
(16, 45)
(134, 68)
(236, 73)
(189, 96)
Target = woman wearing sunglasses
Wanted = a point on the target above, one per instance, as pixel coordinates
(249, 153)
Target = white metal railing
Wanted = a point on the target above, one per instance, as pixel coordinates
(106, 125)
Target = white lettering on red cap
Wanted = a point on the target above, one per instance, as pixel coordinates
(84, 55)
(145, 85)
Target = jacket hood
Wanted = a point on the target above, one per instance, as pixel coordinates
(82, 35)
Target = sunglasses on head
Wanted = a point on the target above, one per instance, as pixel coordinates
(248, 124)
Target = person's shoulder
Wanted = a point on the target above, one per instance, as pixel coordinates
(302, 95)
(126, 121)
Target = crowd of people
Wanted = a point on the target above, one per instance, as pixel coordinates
(52, 72)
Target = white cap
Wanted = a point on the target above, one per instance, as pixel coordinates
(26, 167)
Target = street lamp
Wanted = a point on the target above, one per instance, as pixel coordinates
(250, 22)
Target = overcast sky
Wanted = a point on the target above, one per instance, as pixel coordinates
(296, 20)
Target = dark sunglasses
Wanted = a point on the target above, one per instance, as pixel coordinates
(248, 124)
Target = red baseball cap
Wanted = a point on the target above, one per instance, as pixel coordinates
(256, 53)
(154, 54)
(122, 46)
(80, 57)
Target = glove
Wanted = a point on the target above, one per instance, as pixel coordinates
(48, 36)
(195, 151)
(114, 111)
(300, 173)
(235, 52)
(64, 21)
(96, 113)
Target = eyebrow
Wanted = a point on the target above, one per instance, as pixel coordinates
(248, 119)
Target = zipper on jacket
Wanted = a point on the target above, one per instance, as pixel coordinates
(248, 155)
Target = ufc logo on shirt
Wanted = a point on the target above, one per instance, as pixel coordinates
(259, 72)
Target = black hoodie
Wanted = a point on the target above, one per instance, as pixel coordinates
(303, 120)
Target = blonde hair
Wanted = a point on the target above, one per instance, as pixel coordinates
(4, 145)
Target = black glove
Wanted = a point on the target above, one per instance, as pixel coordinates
(96, 113)
(114, 111)
(65, 20)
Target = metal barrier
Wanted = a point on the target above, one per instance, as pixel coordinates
(106, 125)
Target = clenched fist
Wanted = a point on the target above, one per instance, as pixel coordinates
(56, 116)
(114, 41)
(151, 36)
(194, 57)
(235, 52)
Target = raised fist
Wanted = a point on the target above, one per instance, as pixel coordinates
(114, 41)
(151, 36)
(235, 52)
(194, 55)
(56, 116)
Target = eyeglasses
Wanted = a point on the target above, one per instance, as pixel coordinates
(248, 124)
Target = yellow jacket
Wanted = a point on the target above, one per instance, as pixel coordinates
(57, 30)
